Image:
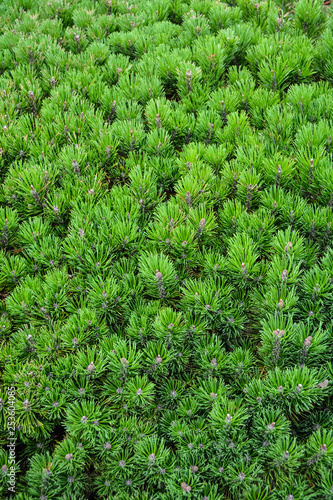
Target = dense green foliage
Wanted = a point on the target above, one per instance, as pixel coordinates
(166, 261)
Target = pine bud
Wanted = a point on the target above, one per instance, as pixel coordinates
(91, 367)
(271, 426)
(158, 359)
(124, 361)
(307, 341)
(228, 418)
(76, 167)
(152, 457)
(280, 304)
(160, 284)
(139, 392)
(122, 463)
(189, 80)
(241, 476)
(185, 487)
(194, 468)
(26, 404)
(69, 456)
(286, 455)
(159, 275)
(288, 247)
(324, 384)
(188, 199)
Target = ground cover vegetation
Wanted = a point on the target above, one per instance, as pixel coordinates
(166, 261)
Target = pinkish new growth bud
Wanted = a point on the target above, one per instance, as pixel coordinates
(279, 333)
(185, 487)
(307, 341)
(158, 275)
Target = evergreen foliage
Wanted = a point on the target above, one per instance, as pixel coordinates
(166, 249)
